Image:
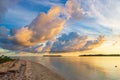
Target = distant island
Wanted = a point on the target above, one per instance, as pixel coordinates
(116, 55)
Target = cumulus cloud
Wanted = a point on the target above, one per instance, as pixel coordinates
(6, 41)
(48, 46)
(75, 42)
(68, 42)
(32, 49)
(23, 36)
(47, 26)
(43, 27)
(4, 5)
(71, 42)
(91, 44)
(74, 10)
(8, 44)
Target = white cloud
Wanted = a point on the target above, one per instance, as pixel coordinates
(106, 12)
(47, 2)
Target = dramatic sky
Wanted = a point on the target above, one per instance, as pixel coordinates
(59, 25)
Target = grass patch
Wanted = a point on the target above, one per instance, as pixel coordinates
(5, 59)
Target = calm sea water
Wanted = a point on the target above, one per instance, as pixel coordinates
(82, 68)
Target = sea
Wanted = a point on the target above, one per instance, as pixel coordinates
(82, 68)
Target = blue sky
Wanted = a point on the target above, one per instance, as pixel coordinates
(24, 11)
(38, 21)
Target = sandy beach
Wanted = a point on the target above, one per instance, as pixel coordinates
(26, 70)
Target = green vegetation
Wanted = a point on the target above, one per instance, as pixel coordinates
(5, 59)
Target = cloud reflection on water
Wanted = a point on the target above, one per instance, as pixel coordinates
(79, 69)
(83, 68)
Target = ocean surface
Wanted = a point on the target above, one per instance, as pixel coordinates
(82, 68)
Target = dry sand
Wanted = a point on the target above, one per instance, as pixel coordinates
(26, 70)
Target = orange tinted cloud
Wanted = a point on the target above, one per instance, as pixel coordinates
(23, 36)
(100, 40)
(74, 10)
(44, 27)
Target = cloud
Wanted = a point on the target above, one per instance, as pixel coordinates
(68, 42)
(23, 36)
(46, 26)
(74, 10)
(81, 69)
(32, 49)
(5, 43)
(75, 42)
(43, 27)
(4, 5)
(71, 42)
(105, 12)
(14, 16)
(3, 31)
(48, 3)
(91, 44)
(110, 46)
(47, 47)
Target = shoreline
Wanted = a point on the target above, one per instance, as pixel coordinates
(27, 70)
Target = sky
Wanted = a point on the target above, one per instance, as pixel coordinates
(59, 25)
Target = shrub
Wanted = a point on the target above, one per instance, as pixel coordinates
(5, 59)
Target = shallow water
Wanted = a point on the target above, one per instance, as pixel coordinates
(83, 68)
